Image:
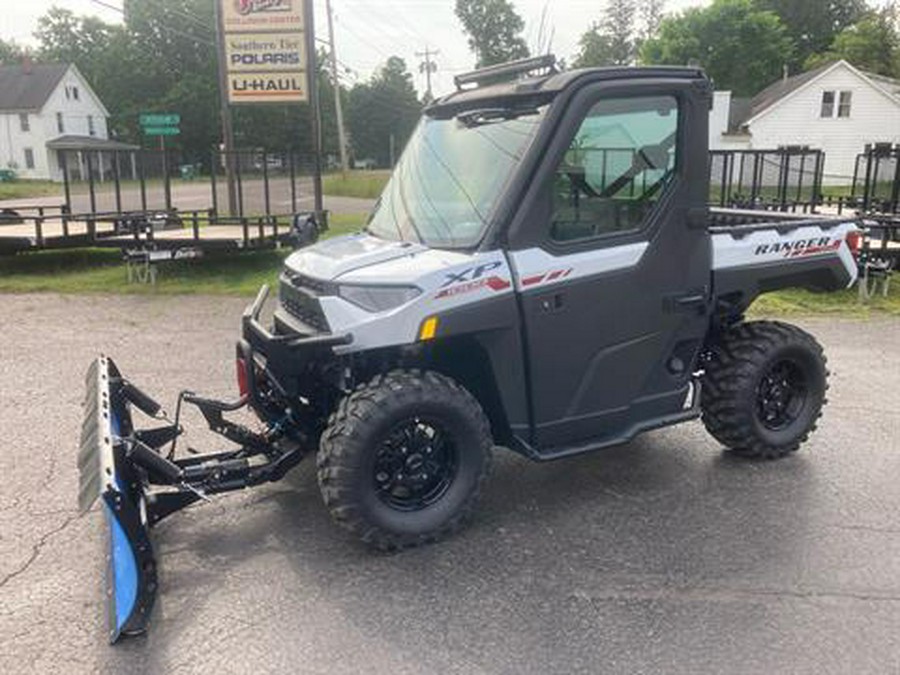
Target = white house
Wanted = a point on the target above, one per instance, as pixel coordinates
(49, 114)
(836, 108)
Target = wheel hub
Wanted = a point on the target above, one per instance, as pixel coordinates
(781, 395)
(415, 464)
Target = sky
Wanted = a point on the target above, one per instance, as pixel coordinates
(368, 31)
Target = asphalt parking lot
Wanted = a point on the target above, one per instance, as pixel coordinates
(663, 556)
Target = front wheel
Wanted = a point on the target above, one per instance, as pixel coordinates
(403, 459)
(764, 388)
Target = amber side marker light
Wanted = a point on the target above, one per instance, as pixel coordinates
(429, 328)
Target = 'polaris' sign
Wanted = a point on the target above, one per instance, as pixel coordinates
(265, 51)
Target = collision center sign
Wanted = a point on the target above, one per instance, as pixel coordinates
(265, 50)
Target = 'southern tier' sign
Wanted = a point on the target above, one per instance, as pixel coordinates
(268, 51)
(265, 50)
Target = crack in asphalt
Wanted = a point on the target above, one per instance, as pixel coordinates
(728, 595)
(36, 550)
(869, 528)
(10, 506)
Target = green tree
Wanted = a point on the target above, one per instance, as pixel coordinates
(10, 52)
(611, 42)
(174, 42)
(494, 30)
(741, 47)
(385, 107)
(873, 44)
(651, 15)
(813, 24)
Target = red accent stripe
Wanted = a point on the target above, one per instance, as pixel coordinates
(554, 275)
(498, 284)
(530, 281)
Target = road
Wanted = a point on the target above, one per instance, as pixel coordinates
(663, 556)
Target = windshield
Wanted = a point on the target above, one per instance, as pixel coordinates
(451, 175)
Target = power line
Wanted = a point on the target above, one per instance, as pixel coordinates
(190, 16)
(166, 27)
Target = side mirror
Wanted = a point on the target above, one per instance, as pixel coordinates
(304, 230)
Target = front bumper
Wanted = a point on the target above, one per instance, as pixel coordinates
(282, 357)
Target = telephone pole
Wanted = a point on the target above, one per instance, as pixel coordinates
(428, 67)
(342, 140)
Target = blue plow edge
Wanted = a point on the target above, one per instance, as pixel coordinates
(107, 471)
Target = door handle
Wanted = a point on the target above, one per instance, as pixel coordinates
(690, 300)
(553, 302)
(686, 302)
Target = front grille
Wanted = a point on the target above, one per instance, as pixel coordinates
(302, 302)
(315, 286)
(312, 317)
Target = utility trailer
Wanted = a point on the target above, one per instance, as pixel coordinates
(542, 274)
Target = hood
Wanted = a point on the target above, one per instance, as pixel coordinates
(329, 259)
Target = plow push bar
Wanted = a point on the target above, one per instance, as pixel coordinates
(139, 484)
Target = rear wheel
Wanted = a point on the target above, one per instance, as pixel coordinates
(403, 459)
(764, 388)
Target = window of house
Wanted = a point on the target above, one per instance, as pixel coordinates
(616, 168)
(827, 104)
(60, 125)
(24, 123)
(91, 130)
(68, 94)
(29, 158)
(75, 93)
(844, 103)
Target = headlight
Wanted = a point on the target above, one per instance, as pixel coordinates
(378, 298)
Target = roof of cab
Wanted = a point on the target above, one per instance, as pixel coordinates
(547, 86)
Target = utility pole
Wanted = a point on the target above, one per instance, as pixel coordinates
(428, 67)
(315, 112)
(227, 129)
(342, 139)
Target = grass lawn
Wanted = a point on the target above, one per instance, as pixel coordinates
(102, 270)
(797, 302)
(25, 189)
(364, 184)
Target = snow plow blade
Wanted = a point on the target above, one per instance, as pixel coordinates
(107, 473)
(140, 479)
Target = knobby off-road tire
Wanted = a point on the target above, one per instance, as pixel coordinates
(403, 459)
(764, 388)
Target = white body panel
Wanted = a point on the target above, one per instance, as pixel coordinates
(767, 246)
(448, 280)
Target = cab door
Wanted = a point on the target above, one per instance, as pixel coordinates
(611, 258)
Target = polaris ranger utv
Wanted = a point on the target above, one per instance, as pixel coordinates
(542, 273)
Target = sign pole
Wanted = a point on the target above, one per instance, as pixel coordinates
(312, 85)
(225, 111)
